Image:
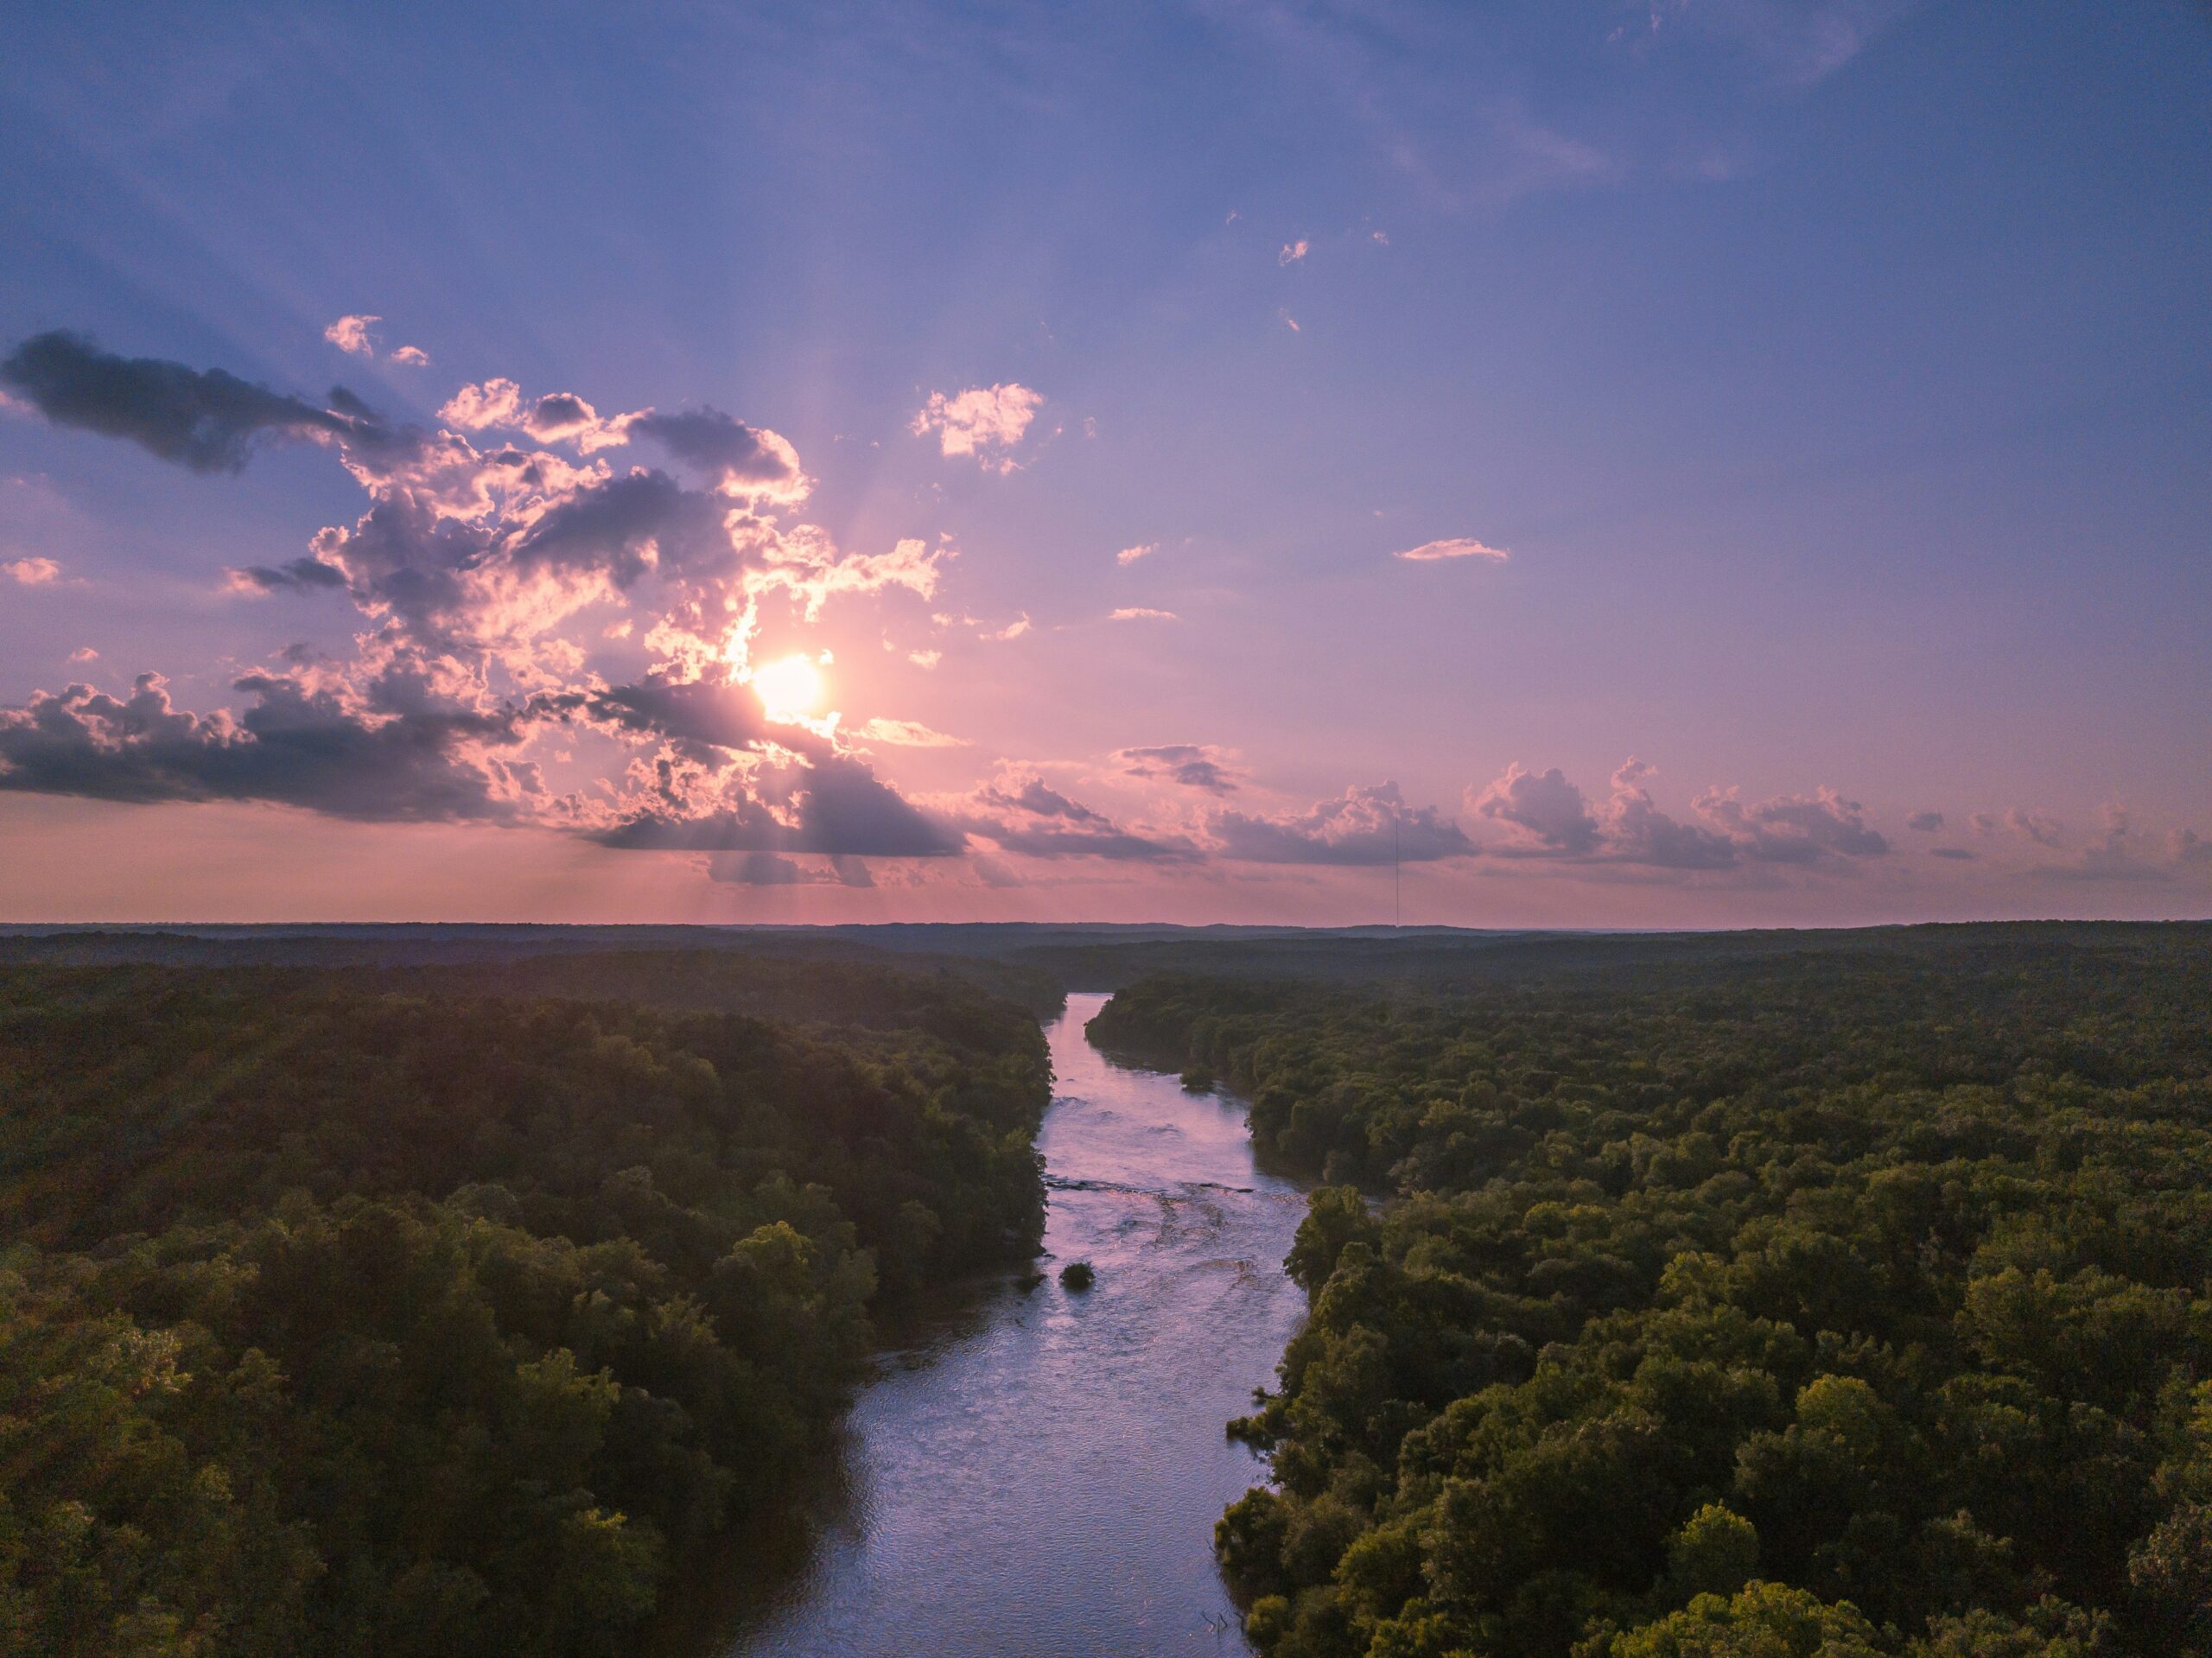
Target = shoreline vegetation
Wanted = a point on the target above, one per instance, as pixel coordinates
(446, 1310)
(1840, 1301)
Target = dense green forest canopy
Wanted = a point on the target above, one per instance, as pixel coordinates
(1829, 1301)
(394, 1311)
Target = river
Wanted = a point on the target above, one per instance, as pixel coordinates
(1039, 1476)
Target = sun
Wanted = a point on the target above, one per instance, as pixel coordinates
(789, 689)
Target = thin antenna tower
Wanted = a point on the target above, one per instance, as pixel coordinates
(1396, 908)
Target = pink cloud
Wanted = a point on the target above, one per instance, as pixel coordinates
(351, 334)
(985, 421)
(1430, 552)
(1363, 826)
(1550, 818)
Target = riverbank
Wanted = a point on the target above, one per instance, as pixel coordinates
(1041, 1475)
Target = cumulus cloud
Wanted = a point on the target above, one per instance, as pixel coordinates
(31, 572)
(488, 404)
(412, 356)
(833, 805)
(1929, 823)
(1543, 806)
(470, 557)
(1131, 554)
(351, 334)
(1549, 817)
(2039, 827)
(2188, 847)
(561, 414)
(1363, 826)
(1190, 765)
(210, 421)
(2117, 857)
(1430, 552)
(985, 421)
(1025, 816)
(298, 745)
(1792, 829)
(84, 653)
(742, 459)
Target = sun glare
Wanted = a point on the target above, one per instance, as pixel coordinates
(789, 689)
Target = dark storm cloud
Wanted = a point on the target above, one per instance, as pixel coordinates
(296, 746)
(718, 443)
(207, 420)
(1192, 766)
(1362, 827)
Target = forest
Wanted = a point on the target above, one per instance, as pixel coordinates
(1786, 1303)
(444, 1310)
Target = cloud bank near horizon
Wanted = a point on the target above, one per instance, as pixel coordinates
(499, 548)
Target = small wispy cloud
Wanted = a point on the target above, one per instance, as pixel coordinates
(1431, 552)
(1139, 613)
(1131, 554)
(84, 653)
(1290, 322)
(906, 734)
(1294, 251)
(413, 356)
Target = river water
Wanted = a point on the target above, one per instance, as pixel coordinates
(1040, 1477)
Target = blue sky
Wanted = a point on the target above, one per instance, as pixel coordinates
(1838, 377)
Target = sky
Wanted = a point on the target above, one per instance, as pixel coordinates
(1687, 463)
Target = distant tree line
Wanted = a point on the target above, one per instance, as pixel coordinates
(1832, 1304)
(365, 1312)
